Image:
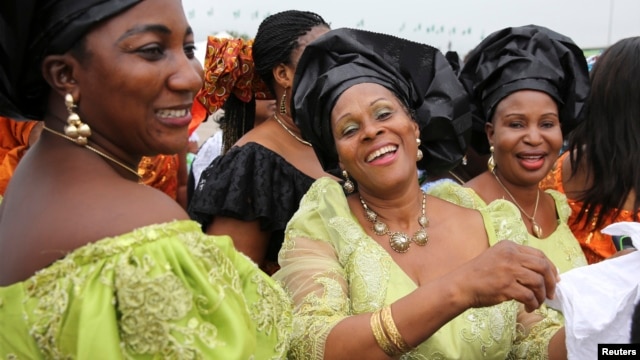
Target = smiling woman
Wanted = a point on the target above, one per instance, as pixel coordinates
(91, 261)
(528, 85)
(363, 262)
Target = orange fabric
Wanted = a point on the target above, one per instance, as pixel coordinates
(228, 68)
(595, 245)
(160, 172)
(14, 141)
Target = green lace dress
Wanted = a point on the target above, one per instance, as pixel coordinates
(332, 269)
(561, 246)
(164, 291)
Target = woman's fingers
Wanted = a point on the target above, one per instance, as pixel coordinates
(515, 272)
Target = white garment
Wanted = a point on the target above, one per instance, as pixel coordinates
(210, 150)
(598, 300)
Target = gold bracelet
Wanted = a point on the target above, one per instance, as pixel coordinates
(381, 338)
(394, 335)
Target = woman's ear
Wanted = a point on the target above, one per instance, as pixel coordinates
(58, 72)
(283, 75)
(489, 130)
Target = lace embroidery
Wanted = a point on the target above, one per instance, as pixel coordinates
(364, 269)
(157, 313)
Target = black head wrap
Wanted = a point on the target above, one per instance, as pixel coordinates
(418, 74)
(528, 57)
(33, 29)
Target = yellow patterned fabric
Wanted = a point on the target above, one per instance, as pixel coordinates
(164, 291)
(561, 247)
(332, 269)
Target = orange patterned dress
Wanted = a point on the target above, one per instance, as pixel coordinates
(595, 245)
(160, 172)
(14, 142)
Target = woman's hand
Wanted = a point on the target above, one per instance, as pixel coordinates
(508, 271)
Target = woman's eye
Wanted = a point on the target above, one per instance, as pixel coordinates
(349, 130)
(190, 50)
(152, 52)
(382, 114)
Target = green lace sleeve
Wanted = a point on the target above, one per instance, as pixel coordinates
(312, 273)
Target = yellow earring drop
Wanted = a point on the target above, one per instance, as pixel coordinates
(75, 128)
(419, 155)
(491, 163)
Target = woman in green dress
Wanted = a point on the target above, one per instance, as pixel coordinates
(375, 267)
(527, 86)
(94, 264)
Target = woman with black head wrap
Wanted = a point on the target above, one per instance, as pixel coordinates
(94, 264)
(252, 190)
(527, 86)
(377, 268)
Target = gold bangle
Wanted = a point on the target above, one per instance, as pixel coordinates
(381, 338)
(394, 335)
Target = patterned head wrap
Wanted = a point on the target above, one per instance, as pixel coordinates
(418, 74)
(529, 57)
(33, 29)
(229, 75)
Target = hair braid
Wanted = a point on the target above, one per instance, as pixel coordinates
(277, 37)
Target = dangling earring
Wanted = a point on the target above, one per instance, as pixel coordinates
(75, 128)
(283, 103)
(491, 163)
(348, 184)
(464, 160)
(420, 155)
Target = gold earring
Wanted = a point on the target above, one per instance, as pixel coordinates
(283, 103)
(419, 155)
(491, 163)
(75, 128)
(348, 184)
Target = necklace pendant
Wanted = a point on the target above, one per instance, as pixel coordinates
(371, 216)
(420, 237)
(399, 242)
(380, 228)
(537, 230)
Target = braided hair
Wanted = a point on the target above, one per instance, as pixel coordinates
(277, 37)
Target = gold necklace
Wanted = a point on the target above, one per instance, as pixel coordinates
(537, 230)
(108, 157)
(290, 132)
(399, 241)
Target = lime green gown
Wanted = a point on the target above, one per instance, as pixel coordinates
(163, 291)
(561, 246)
(332, 269)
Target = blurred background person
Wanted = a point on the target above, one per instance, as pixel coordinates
(252, 191)
(599, 172)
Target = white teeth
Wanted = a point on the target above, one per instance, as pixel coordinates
(172, 113)
(380, 152)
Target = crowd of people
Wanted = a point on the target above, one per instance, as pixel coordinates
(312, 226)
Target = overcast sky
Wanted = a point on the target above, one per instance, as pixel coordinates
(447, 24)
